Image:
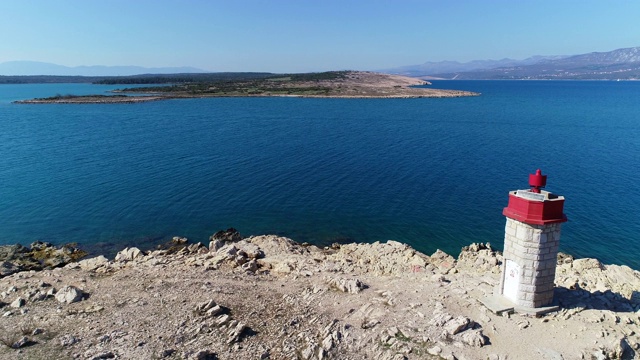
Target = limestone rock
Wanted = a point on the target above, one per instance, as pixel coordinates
(128, 254)
(435, 351)
(204, 306)
(18, 303)
(68, 340)
(474, 338)
(178, 240)
(236, 332)
(351, 286)
(458, 325)
(23, 341)
(197, 248)
(618, 349)
(216, 244)
(8, 268)
(93, 263)
(252, 251)
(250, 266)
(41, 255)
(442, 260)
(69, 294)
(586, 264)
(229, 235)
(440, 318)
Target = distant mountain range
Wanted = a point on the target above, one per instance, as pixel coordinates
(12, 68)
(623, 64)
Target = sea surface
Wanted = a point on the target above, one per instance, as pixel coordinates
(434, 173)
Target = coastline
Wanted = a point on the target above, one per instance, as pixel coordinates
(348, 85)
(270, 297)
(141, 99)
(94, 100)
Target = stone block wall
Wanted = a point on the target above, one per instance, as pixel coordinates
(535, 249)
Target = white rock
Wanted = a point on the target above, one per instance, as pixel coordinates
(585, 264)
(252, 251)
(69, 294)
(204, 306)
(128, 254)
(214, 310)
(18, 303)
(250, 266)
(215, 245)
(93, 263)
(474, 338)
(457, 325)
(234, 335)
(436, 350)
(223, 319)
(351, 286)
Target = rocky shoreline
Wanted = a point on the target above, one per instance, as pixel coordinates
(354, 85)
(95, 100)
(268, 297)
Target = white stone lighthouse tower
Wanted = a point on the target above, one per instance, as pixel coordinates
(531, 239)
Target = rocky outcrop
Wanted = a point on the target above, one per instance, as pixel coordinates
(268, 297)
(40, 255)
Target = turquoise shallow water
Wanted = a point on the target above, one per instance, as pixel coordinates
(434, 173)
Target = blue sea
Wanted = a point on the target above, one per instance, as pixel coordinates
(434, 173)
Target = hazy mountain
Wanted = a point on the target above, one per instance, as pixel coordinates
(42, 68)
(617, 64)
(429, 68)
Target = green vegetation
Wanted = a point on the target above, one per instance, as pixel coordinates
(182, 78)
(247, 84)
(46, 79)
(71, 96)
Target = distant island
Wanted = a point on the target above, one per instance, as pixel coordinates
(332, 84)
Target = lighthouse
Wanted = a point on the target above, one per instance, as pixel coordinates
(531, 239)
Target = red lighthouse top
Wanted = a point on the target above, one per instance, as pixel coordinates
(537, 181)
(535, 206)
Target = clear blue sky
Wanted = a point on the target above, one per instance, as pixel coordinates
(305, 35)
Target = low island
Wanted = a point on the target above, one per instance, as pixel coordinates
(333, 84)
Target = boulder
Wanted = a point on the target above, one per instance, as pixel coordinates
(214, 245)
(68, 340)
(580, 265)
(128, 254)
(252, 251)
(177, 240)
(474, 338)
(69, 294)
(50, 256)
(18, 303)
(442, 260)
(196, 248)
(351, 286)
(23, 341)
(229, 235)
(93, 263)
(236, 333)
(204, 306)
(458, 324)
(8, 268)
(251, 266)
